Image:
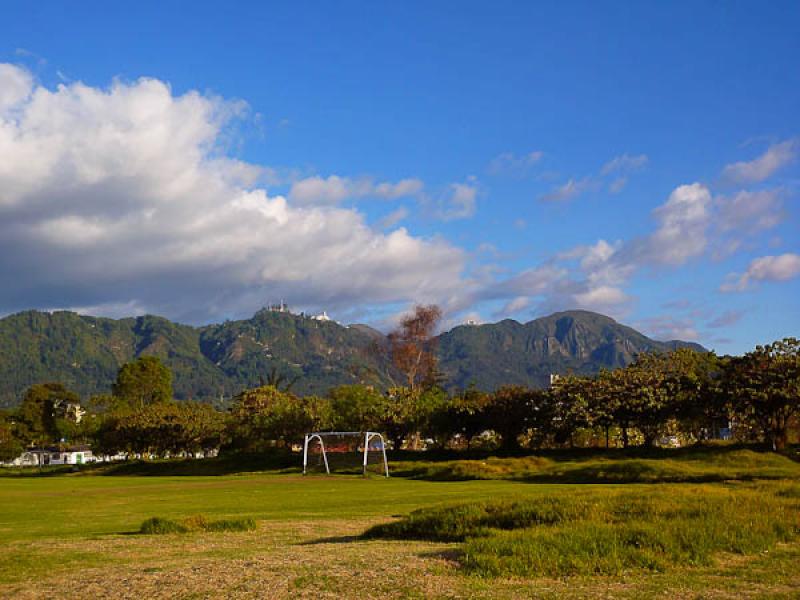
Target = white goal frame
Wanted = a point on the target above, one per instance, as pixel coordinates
(368, 436)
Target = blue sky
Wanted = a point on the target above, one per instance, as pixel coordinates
(199, 160)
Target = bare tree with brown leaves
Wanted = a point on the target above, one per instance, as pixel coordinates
(412, 346)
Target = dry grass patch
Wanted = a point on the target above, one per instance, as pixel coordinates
(303, 559)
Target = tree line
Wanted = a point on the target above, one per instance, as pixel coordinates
(684, 394)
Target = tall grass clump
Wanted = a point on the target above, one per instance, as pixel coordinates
(160, 525)
(608, 532)
(459, 522)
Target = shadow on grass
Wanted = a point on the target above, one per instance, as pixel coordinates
(336, 539)
(454, 555)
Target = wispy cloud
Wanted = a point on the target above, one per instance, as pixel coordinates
(669, 328)
(762, 167)
(335, 189)
(512, 307)
(508, 162)
(624, 163)
(568, 191)
(750, 212)
(393, 218)
(726, 319)
(459, 203)
(616, 186)
(766, 268)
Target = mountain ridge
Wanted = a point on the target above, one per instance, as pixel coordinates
(216, 361)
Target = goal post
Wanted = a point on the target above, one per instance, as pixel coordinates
(348, 450)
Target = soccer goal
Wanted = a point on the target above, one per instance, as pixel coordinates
(345, 451)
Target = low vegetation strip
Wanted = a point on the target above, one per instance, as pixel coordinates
(705, 465)
(608, 532)
(160, 525)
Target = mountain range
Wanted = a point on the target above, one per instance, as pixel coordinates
(215, 362)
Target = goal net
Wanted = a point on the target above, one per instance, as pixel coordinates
(345, 452)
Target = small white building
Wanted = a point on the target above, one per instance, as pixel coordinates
(66, 455)
(322, 317)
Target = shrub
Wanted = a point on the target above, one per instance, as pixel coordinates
(608, 532)
(240, 524)
(159, 525)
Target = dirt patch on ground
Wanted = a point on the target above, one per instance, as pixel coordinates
(326, 559)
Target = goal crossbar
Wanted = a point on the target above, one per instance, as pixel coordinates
(366, 436)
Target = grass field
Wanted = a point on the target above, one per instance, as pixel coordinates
(76, 536)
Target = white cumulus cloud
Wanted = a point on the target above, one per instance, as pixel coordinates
(124, 195)
(17, 86)
(681, 233)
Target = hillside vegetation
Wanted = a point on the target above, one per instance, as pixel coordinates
(208, 363)
(219, 361)
(512, 353)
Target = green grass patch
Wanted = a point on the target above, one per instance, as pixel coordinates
(703, 465)
(608, 532)
(63, 529)
(160, 525)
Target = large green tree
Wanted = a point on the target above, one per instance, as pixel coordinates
(764, 386)
(508, 414)
(692, 379)
(162, 427)
(10, 445)
(567, 407)
(37, 421)
(460, 417)
(356, 407)
(265, 417)
(143, 381)
(407, 412)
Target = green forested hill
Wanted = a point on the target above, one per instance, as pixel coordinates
(208, 363)
(509, 352)
(217, 361)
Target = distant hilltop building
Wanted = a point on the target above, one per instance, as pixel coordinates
(282, 307)
(470, 322)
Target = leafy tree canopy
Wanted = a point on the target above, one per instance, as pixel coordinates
(143, 381)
